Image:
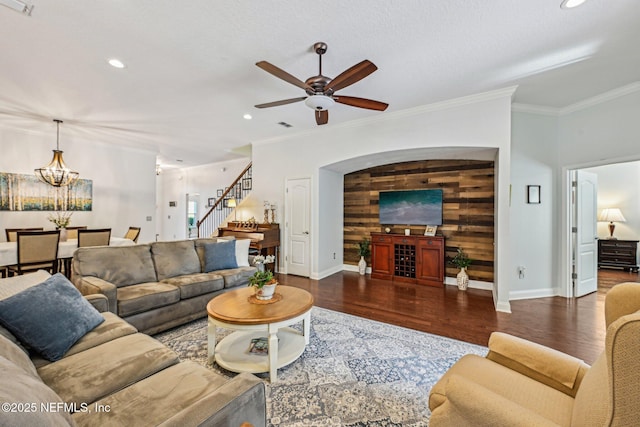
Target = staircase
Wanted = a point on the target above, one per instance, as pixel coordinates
(220, 211)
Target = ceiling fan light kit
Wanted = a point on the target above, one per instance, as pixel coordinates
(319, 102)
(321, 90)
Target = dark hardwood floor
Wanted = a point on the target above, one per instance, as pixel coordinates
(574, 326)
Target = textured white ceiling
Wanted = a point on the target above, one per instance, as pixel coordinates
(191, 71)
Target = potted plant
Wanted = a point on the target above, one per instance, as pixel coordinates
(61, 221)
(364, 251)
(462, 261)
(264, 284)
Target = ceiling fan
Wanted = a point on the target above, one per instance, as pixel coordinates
(321, 89)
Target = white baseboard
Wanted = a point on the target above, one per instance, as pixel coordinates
(328, 272)
(535, 293)
(474, 284)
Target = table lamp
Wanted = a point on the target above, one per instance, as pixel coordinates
(232, 204)
(611, 215)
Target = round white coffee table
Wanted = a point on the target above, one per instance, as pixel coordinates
(252, 320)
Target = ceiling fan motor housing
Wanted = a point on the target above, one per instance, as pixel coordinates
(319, 102)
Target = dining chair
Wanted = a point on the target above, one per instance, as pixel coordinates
(72, 232)
(37, 250)
(94, 237)
(133, 233)
(11, 232)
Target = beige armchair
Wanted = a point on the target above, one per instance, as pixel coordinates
(520, 383)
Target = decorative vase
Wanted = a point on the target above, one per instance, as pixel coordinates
(260, 266)
(362, 266)
(266, 292)
(63, 234)
(463, 279)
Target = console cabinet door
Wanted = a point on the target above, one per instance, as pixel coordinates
(381, 257)
(430, 263)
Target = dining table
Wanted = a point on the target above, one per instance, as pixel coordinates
(9, 250)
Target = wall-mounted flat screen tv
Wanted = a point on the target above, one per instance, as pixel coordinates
(411, 207)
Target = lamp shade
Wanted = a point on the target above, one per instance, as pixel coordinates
(611, 215)
(232, 203)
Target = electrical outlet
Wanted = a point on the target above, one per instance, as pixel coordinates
(521, 272)
(334, 255)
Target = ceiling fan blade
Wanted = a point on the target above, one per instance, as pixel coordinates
(350, 76)
(281, 102)
(281, 74)
(361, 102)
(322, 117)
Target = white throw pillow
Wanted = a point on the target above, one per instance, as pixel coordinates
(242, 252)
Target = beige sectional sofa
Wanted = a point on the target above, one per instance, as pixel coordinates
(159, 285)
(115, 376)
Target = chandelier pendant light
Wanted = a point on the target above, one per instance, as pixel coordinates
(56, 173)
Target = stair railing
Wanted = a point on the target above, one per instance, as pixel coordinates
(220, 211)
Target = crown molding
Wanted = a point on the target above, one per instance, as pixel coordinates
(414, 111)
(578, 106)
(599, 99)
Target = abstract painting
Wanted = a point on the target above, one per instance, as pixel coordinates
(24, 192)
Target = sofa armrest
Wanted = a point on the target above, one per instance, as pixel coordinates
(89, 285)
(543, 364)
(470, 404)
(99, 302)
(240, 400)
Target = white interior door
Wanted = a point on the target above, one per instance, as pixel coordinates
(586, 237)
(297, 226)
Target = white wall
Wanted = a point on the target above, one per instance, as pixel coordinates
(619, 187)
(123, 179)
(482, 121)
(533, 226)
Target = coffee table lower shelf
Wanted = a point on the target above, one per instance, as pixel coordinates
(232, 352)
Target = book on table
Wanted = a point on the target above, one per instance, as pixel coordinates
(259, 346)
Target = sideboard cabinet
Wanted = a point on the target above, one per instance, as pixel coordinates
(618, 253)
(410, 259)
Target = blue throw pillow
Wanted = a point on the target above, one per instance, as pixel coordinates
(49, 317)
(220, 256)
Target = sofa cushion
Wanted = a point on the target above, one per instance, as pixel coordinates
(242, 252)
(112, 328)
(220, 256)
(30, 392)
(156, 398)
(175, 258)
(99, 371)
(546, 401)
(236, 276)
(120, 265)
(145, 296)
(192, 285)
(62, 317)
(16, 355)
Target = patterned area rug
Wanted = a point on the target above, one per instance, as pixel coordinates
(354, 372)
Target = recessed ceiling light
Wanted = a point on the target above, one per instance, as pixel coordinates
(569, 4)
(116, 63)
(247, 117)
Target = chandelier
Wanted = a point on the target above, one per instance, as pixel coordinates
(56, 173)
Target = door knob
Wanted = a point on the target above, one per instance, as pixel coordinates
(306, 232)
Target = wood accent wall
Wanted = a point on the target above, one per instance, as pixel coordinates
(468, 211)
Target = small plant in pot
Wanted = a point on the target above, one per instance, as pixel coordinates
(364, 251)
(462, 261)
(264, 283)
